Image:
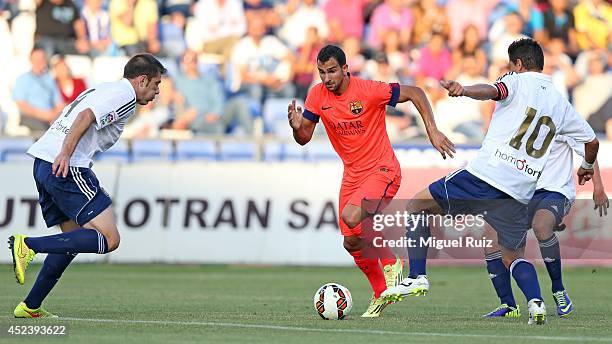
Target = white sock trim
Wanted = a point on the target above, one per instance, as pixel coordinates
(516, 261)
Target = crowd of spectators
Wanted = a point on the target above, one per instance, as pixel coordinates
(237, 63)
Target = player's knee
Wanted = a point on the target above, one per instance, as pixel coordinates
(352, 243)
(352, 218)
(508, 261)
(542, 230)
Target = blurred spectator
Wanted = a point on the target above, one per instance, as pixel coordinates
(205, 112)
(595, 89)
(263, 63)
(264, 10)
(533, 19)
(593, 24)
(306, 16)
(59, 28)
(306, 63)
(601, 120)
(398, 60)
(470, 46)
(219, 25)
(36, 94)
(203, 94)
(158, 113)
(354, 59)
(97, 24)
(134, 25)
(6, 42)
(172, 34)
(559, 66)
(69, 86)
(466, 118)
(434, 60)
(379, 68)
(391, 15)
(462, 13)
(502, 34)
(559, 23)
(171, 6)
(429, 17)
(345, 19)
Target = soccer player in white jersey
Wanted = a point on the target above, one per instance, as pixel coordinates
(551, 202)
(69, 192)
(502, 178)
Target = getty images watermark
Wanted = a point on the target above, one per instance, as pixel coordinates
(411, 222)
(462, 233)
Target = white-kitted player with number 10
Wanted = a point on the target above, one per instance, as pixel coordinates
(68, 191)
(502, 178)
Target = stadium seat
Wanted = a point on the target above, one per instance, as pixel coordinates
(196, 150)
(14, 149)
(147, 150)
(236, 151)
(108, 68)
(321, 151)
(293, 151)
(273, 151)
(275, 116)
(80, 66)
(119, 152)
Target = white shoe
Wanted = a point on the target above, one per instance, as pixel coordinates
(537, 312)
(408, 287)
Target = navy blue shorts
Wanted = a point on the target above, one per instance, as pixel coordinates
(463, 193)
(78, 197)
(553, 201)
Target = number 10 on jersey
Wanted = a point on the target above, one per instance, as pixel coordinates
(517, 140)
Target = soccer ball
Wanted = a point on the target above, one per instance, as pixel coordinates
(333, 301)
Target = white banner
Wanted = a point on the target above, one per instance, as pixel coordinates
(260, 213)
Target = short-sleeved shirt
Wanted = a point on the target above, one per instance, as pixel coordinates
(56, 20)
(529, 115)
(558, 175)
(112, 103)
(355, 124)
(39, 91)
(558, 26)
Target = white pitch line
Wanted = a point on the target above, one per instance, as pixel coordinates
(332, 330)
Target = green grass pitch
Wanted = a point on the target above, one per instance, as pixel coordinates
(238, 304)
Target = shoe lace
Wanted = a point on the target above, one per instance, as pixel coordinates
(28, 260)
(560, 298)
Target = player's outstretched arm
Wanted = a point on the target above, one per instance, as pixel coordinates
(585, 172)
(478, 91)
(599, 193)
(419, 99)
(83, 121)
(303, 128)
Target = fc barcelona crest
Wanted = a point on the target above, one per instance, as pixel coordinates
(356, 107)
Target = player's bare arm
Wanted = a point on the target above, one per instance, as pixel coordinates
(478, 91)
(599, 193)
(303, 128)
(62, 162)
(586, 170)
(419, 99)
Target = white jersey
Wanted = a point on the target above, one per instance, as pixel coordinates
(558, 175)
(112, 103)
(529, 114)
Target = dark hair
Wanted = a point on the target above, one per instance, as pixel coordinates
(37, 47)
(329, 51)
(143, 64)
(529, 52)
